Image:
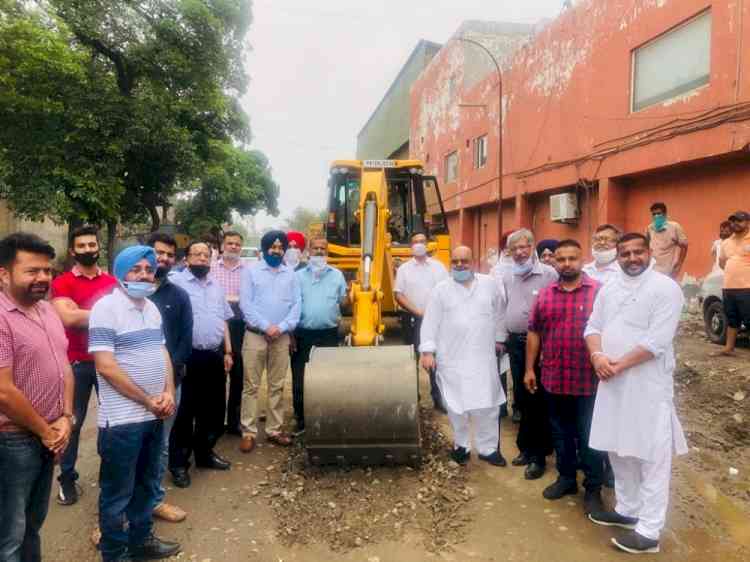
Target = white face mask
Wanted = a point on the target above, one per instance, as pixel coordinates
(419, 250)
(231, 255)
(292, 257)
(605, 256)
(317, 263)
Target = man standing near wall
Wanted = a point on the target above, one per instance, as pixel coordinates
(558, 319)
(415, 279)
(521, 284)
(629, 336)
(668, 242)
(734, 259)
(604, 268)
(227, 271)
(36, 394)
(74, 294)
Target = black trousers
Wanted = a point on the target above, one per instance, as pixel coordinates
(200, 417)
(237, 374)
(305, 340)
(534, 437)
(570, 422)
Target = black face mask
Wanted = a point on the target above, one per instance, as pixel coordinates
(86, 259)
(200, 271)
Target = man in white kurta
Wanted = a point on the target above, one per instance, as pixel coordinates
(629, 335)
(458, 338)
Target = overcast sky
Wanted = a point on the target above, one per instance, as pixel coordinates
(319, 68)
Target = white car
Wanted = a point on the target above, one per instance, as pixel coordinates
(710, 297)
(249, 254)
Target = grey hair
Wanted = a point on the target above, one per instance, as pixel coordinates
(518, 235)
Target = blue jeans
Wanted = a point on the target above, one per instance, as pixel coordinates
(168, 424)
(84, 376)
(26, 470)
(129, 484)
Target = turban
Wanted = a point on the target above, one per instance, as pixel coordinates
(130, 256)
(270, 237)
(550, 245)
(298, 238)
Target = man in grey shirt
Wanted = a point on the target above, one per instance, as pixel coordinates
(521, 284)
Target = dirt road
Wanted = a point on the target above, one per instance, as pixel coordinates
(269, 508)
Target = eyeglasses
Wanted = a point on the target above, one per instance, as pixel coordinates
(461, 261)
(604, 240)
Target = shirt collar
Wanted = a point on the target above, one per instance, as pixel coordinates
(75, 270)
(127, 301)
(220, 262)
(282, 267)
(586, 281)
(190, 277)
(7, 303)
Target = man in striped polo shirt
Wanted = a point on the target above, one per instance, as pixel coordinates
(136, 392)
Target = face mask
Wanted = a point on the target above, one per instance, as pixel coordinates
(523, 268)
(138, 289)
(199, 271)
(231, 255)
(419, 250)
(317, 263)
(462, 275)
(291, 257)
(660, 223)
(273, 260)
(87, 259)
(605, 256)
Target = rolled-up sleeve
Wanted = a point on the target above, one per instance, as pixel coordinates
(662, 325)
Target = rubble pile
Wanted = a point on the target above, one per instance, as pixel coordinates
(348, 508)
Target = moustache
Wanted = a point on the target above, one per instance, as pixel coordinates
(39, 287)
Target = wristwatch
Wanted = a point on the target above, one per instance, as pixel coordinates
(72, 418)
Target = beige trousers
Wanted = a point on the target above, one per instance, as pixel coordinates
(258, 355)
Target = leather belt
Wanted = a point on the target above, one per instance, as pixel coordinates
(255, 330)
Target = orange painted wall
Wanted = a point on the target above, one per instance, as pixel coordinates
(566, 98)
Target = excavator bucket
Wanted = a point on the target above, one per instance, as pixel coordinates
(361, 406)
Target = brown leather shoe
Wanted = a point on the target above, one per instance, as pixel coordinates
(168, 512)
(281, 439)
(247, 444)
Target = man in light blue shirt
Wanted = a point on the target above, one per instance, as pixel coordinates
(270, 303)
(323, 293)
(200, 416)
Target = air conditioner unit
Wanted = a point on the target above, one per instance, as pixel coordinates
(564, 207)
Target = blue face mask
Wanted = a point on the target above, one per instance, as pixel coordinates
(273, 260)
(660, 223)
(138, 289)
(462, 275)
(523, 268)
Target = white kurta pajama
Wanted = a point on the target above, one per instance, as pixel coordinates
(460, 327)
(634, 415)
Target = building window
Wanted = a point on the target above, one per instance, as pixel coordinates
(451, 167)
(673, 64)
(480, 152)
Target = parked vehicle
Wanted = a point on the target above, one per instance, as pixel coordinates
(249, 254)
(714, 318)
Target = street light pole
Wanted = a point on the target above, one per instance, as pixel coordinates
(499, 135)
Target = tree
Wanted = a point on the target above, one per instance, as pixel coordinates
(301, 219)
(234, 180)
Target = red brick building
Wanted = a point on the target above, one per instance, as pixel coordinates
(619, 102)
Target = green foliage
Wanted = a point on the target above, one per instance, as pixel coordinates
(109, 109)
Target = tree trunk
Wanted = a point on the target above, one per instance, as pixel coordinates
(111, 235)
(155, 218)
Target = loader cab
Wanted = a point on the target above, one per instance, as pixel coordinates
(413, 200)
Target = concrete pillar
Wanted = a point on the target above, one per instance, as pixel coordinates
(612, 201)
(522, 211)
(465, 228)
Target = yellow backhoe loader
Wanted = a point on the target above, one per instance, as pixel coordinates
(361, 399)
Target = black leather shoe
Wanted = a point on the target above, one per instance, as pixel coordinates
(559, 489)
(516, 416)
(503, 411)
(154, 549)
(534, 471)
(521, 460)
(461, 455)
(495, 459)
(181, 477)
(213, 462)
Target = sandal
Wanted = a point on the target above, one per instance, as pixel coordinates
(280, 439)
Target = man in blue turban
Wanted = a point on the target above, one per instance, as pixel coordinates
(274, 245)
(136, 392)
